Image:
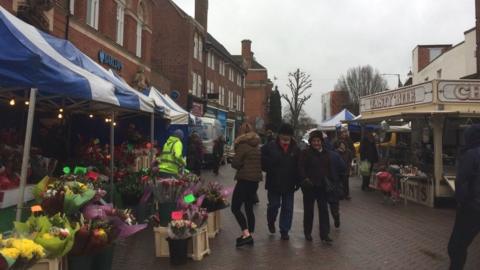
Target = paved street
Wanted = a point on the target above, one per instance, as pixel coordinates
(372, 236)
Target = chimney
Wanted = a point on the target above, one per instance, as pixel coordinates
(247, 53)
(477, 30)
(201, 12)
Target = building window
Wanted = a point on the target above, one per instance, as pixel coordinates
(200, 49)
(230, 74)
(221, 67)
(210, 87)
(93, 7)
(72, 7)
(239, 80)
(221, 95)
(194, 83)
(195, 46)
(120, 22)
(199, 87)
(238, 102)
(439, 74)
(434, 53)
(140, 20)
(211, 60)
(243, 104)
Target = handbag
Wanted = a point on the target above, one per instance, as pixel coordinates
(364, 167)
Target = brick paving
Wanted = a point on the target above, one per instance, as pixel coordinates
(372, 236)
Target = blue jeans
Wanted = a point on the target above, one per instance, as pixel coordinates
(277, 200)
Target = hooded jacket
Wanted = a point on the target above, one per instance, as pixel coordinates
(467, 183)
(281, 167)
(171, 160)
(247, 160)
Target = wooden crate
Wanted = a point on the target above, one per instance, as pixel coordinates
(161, 243)
(45, 264)
(198, 245)
(213, 223)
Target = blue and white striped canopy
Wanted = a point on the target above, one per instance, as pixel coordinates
(33, 59)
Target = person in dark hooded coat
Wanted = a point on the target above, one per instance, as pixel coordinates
(467, 193)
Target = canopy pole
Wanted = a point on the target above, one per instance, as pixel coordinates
(26, 152)
(112, 151)
(152, 135)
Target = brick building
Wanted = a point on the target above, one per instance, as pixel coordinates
(208, 80)
(333, 102)
(115, 33)
(257, 88)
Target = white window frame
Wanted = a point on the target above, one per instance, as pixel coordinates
(200, 49)
(195, 45)
(72, 7)
(221, 95)
(194, 83)
(138, 51)
(199, 88)
(120, 22)
(93, 7)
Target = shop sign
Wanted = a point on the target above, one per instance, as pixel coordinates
(222, 117)
(174, 94)
(109, 60)
(419, 94)
(197, 109)
(459, 91)
(417, 192)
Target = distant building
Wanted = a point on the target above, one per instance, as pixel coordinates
(445, 61)
(332, 103)
(257, 87)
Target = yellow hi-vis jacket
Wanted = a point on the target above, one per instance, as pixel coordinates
(171, 159)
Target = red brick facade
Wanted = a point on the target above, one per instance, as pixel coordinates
(338, 101)
(424, 54)
(257, 89)
(92, 41)
(7, 4)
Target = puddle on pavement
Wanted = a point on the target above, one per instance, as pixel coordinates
(431, 254)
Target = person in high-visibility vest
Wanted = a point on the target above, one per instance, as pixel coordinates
(171, 160)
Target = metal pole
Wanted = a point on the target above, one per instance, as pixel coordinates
(112, 150)
(26, 152)
(152, 135)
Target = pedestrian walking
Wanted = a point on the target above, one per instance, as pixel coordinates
(347, 156)
(247, 162)
(171, 159)
(195, 154)
(368, 155)
(467, 193)
(280, 162)
(218, 151)
(320, 170)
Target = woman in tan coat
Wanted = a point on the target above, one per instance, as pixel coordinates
(247, 162)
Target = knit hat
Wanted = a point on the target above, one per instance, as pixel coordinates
(178, 133)
(285, 129)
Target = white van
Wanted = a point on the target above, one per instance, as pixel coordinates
(209, 129)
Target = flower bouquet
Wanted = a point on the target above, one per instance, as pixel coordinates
(181, 229)
(54, 234)
(215, 196)
(19, 253)
(131, 188)
(166, 193)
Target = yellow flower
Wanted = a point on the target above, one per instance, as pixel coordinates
(27, 248)
(47, 236)
(10, 253)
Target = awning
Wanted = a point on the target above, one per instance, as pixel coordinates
(335, 120)
(30, 58)
(173, 111)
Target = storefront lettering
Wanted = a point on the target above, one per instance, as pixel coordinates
(467, 92)
(416, 192)
(109, 60)
(393, 99)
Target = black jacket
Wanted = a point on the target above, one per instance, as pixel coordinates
(281, 167)
(467, 183)
(368, 151)
(312, 166)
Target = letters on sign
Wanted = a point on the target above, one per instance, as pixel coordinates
(393, 99)
(459, 91)
(464, 92)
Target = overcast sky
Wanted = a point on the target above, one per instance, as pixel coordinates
(327, 37)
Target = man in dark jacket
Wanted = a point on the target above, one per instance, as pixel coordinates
(467, 193)
(368, 151)
(280, 162)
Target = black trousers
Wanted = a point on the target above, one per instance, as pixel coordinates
(467, 226)
(310, 196)
(346, 185)
(245, 193)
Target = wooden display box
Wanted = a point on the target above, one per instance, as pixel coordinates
(45, 264)
(198, 245)
(213, 223)
(161, 243)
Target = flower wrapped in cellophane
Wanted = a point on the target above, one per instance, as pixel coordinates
(181, 229)
(54, 234)
(216, 196)
(19, 253)
(167, 190)
(60, 196)
(100, 225)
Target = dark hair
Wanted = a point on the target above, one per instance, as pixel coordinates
(285, 129)
(315, 134)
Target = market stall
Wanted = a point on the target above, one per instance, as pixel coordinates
(439, 111)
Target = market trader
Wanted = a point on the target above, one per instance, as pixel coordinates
(171, 159)
(467, 193)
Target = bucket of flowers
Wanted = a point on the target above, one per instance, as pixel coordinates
(215, 196)
(179, 232)
(166, 192)
(19, 253)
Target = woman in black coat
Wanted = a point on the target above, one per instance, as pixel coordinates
(320, 170)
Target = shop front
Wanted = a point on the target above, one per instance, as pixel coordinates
(438, 112)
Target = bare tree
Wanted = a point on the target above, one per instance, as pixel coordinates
(298, 83)
(360, 81)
